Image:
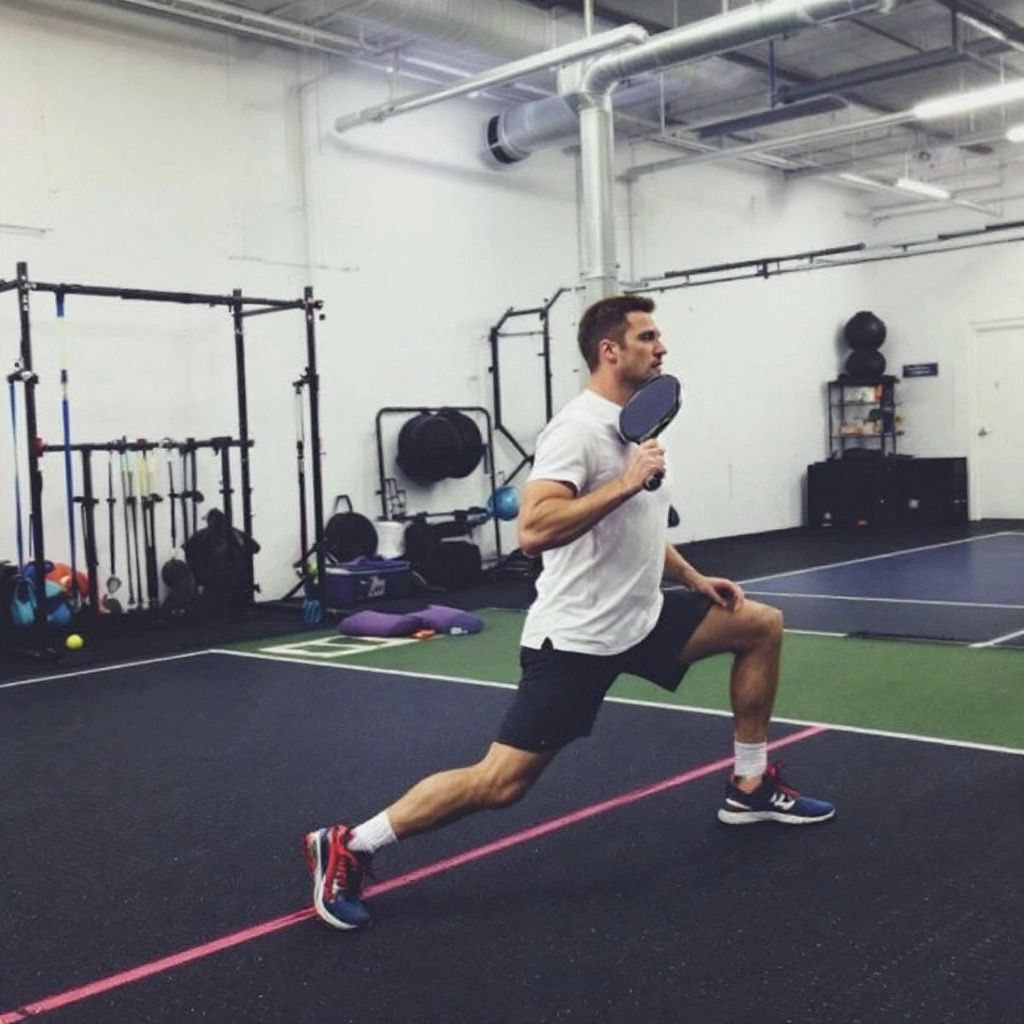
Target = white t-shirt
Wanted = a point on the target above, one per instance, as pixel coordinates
(599, 594)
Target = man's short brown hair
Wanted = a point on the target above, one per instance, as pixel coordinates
(606, 318)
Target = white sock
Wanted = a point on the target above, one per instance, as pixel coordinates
(372, 835)
(751, 759)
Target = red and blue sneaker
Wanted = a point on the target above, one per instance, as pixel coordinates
(338, 874)
(773, 800)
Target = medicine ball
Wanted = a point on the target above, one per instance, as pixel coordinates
(864, 330)
(865, 364)
(504, 503)
(429, 447)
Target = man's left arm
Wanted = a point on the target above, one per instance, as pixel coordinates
(721, 591)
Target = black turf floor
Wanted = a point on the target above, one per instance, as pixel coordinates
(150, 810)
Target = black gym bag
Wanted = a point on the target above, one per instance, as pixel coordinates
(218, 556)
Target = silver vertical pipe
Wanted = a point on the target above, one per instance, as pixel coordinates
(750, 24)
(597, 161)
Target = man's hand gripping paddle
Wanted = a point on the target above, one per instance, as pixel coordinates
(649, 412)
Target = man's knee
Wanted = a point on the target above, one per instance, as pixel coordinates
(770, 622)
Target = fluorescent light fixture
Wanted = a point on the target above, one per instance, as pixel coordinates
(965, 102)
(857, 179)
(982, 26)
(1016, 133)
(922, 188)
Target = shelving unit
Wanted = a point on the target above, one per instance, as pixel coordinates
(862, 415)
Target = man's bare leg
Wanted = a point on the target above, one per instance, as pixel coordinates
(503, 776)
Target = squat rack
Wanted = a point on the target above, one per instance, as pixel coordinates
(494, 336)
(240, 307)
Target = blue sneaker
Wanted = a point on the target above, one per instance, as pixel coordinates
(773, 800)
(337, 877)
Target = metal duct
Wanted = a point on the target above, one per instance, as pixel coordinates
(714, 35)
(569, 53)
(521, 130)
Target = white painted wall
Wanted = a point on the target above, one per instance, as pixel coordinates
(154, 156)
(141, 153)
(930, 304)
(754, 354)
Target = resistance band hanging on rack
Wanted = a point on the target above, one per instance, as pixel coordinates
(300, 452)
(17, 472)
(175, 573)
(312, 611)
(128, 506)
(111, 603)
(69, 466)
(147, 501)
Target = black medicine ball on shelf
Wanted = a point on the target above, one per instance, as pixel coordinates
(864, 330)
(865, 364)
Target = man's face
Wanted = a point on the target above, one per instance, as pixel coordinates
(641, 351)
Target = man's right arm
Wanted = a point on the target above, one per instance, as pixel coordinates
(551, 514)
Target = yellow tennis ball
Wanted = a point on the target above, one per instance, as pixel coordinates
(74, 642)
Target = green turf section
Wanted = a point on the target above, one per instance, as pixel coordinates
(924, 689)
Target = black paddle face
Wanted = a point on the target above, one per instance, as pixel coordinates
(651, 409)
(649, 412)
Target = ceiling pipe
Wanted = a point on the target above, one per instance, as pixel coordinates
(875, 73)
(763, 118)
(521, 130)
(768, 145)
(979, 15)
(248, 22)
(751, 24)
(567, 54)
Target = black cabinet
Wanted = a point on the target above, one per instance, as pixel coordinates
(862, 415)
(875, 491)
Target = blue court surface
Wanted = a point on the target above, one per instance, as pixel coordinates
(966, 591)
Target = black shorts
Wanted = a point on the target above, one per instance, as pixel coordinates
(560, 692)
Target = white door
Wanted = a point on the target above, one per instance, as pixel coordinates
(997, 444)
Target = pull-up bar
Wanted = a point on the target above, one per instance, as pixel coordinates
(150, 295)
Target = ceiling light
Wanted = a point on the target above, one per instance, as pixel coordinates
(1016, 133)
(982, 26)
(975, 99)
(857, 179)
(922, 188)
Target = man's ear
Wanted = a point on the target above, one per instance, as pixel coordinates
(611, 348)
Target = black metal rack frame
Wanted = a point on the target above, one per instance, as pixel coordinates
(494, 337)
(489, 456)
(240, 307)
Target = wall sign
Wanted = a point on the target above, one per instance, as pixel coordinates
(920, 370)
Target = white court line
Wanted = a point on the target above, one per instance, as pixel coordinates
(102, 668)
(884, 600)
(940, 741)
(875, 558)
(998, 639)
(816, 632)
